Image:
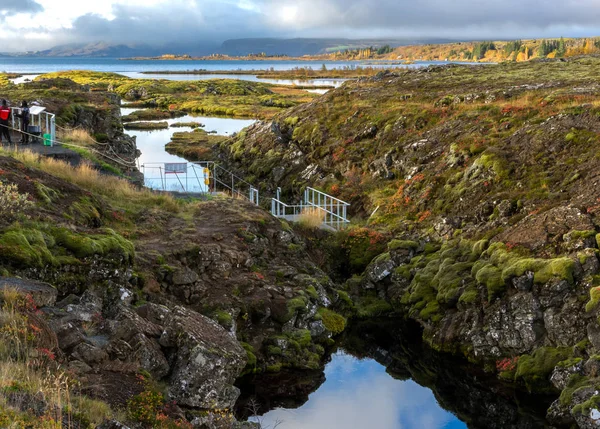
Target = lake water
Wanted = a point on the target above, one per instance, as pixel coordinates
(152, 143)
(153, 154)
(46, 65)
(360, 394)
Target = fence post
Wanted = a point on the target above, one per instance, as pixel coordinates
(52, 130)
(215, 178)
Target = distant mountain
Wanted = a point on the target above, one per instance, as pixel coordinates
(300, 47)
(99, 49)
(235, 47)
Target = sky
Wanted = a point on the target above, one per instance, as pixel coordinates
(359, 394)
(40, 24)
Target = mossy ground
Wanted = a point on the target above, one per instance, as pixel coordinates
(203, 97)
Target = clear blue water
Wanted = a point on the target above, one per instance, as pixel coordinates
(46, 65)
(359, 394)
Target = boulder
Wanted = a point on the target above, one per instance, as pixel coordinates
(208, 360)
(68, 335)
(149, 355)
(43, 294)
(90, 354)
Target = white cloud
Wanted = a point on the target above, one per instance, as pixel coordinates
(197, 21)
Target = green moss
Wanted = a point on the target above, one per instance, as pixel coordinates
(449, 280)
(302, 337)
(580, 235)
(544, 269)
(431, 310)
(480, 247)
(46, 194)
(296, 304)
(494, 163)
(431, 248)
(85, 246)
(576, 382)
(584, 409)
(568, 363)
(334, 322)
(594, 299)
(274, 368)
(534, 370)
(291, 121)
(26, 248)
(404, 271)
(84, 210)
(491, 277)
(224, 318)
(370, 307)
(469, 296)
(312, 292)
(250, 357)
(402, 245)
(384, 257)
(274, 351)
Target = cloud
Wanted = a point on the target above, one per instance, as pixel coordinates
(203, 22)
(437, 18)
(179, 20)
(13, 7)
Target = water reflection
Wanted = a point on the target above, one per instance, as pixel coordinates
(152, 143)
(360, 394)
(154, 156)
(387, 378)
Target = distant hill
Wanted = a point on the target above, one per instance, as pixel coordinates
(300, 47)
(99, 49)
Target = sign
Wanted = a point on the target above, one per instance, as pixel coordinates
(176, 168)
(36, 110)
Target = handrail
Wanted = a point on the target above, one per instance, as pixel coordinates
(328, 196)
(216, 177)
(335, 210)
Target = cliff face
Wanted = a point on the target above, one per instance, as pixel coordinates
(485, 185)
(190, 294)
(133, 289)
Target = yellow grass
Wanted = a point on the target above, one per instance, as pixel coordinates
(77, 136)
(312, 218)
(117, 189)
(31, 380)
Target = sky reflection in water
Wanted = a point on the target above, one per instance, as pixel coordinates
(359, 394)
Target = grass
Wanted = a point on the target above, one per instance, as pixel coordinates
(77, 136)
(118, 190)
(222, 97)
(30, 378)
(312, 218)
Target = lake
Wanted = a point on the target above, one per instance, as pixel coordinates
(153, 154)
(46, 65)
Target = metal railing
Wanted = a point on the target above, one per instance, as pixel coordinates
(332, 211)
(46, 121)
(204, 177)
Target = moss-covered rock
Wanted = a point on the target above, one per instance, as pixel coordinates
(534, 370)
(334, 322)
